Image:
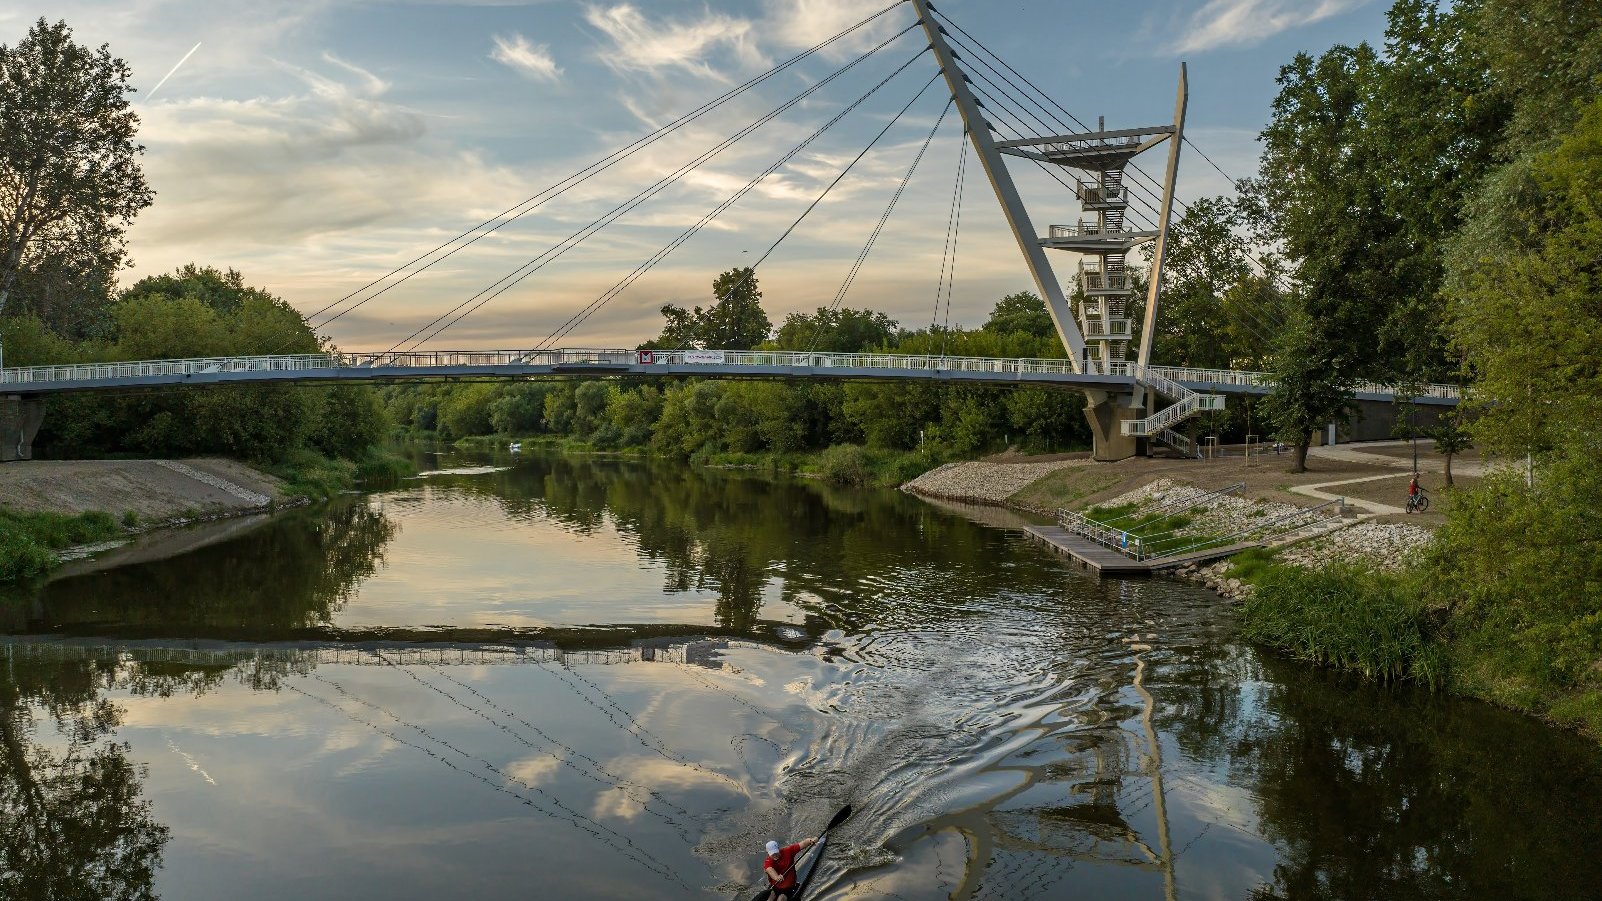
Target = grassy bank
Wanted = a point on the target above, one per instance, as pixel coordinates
(28, 541)
(1395, 626)
(314, 477)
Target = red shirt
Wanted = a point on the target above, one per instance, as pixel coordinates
(782, 863)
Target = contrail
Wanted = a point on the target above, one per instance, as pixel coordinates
(172, 70)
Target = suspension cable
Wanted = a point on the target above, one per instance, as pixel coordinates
(621, 285)
(556, 189)
(562, 247)
(949, 254)
(1251, 258)
(856, 267)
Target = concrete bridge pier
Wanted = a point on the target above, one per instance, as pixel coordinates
(20, 418)
(1105, 412)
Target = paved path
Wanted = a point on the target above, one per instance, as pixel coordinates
(1358, 453)
(1375, 508)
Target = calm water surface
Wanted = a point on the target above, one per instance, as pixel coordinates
(556, 677)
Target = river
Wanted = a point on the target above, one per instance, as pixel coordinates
(568, 677)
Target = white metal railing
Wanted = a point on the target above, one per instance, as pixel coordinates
(1100, 194)
(1178, 442)
(1114, 328)
(1163, 545)
(1189, 403)
(89, 372)
(85, 372)
(1265, 380)
(1166, 379)
(1083, 229)
(926, 362)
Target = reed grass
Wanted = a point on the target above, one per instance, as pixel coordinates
(1349, 617)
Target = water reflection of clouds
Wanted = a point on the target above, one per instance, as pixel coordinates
(459, 560)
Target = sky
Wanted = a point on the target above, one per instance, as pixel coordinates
(316, 145)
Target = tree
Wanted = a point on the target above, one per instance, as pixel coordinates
(195, 312)
(1021, 312)
(1205, 262)
(1310, 388)
(70, 181)
(73, 819)
(1450, 439)
(836, 331)
(1527, 319)
(736, 320)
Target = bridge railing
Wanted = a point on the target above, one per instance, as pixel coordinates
(1250, 379)
(86, 372)
(137, 369)
(924, 362)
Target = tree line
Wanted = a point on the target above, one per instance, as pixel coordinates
(70, 186)
(1435, 202)
(703, 417)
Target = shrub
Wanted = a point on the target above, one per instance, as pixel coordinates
(21, 557)
(1348, 617)
(846, 464)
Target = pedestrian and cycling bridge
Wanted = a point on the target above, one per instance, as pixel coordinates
(1107, 324)
(41, 381)
(23, 390)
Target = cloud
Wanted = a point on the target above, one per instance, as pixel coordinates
(533, 60)
(640, 45)
(1242, 23)
(803, 23)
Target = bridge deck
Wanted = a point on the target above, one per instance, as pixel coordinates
(1119, 378)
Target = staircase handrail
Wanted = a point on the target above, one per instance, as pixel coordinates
(1237, 536)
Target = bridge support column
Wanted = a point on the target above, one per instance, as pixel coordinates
(1105, 412)
(20, 418)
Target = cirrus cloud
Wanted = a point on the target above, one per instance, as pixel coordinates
(1242, 23)
(533, 60)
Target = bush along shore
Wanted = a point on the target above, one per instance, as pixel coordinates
(840, 464)
(1448, 614)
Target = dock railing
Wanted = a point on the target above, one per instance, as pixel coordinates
(1159, 546)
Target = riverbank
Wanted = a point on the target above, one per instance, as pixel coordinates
(1373, 592)
(54, 510)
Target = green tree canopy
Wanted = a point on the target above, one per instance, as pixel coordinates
(70, 181)
(734, 321)
(836, 330)
(1021, 312)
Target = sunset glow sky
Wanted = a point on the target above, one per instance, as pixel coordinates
(317, 144)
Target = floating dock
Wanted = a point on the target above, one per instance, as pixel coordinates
(1108, 562)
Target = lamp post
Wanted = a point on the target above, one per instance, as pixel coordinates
(1412, 429)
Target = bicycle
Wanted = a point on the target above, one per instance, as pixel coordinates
(1418, 503)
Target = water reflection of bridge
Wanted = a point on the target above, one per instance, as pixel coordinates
(297, 656)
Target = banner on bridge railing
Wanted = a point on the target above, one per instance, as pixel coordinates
(704, 356)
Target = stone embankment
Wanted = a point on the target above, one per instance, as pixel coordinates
(1332, 535)
(154, 491)
(982, 482)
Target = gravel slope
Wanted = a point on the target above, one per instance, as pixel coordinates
(154, 490)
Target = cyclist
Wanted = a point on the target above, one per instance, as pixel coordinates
(1414, 495)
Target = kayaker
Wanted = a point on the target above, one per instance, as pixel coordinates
(779, 867)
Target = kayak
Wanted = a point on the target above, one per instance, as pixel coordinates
(804, 868)
(808, 864)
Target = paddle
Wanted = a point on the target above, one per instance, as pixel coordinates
(840, 817)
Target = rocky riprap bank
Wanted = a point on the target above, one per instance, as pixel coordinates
(1322, 539)
(981, 482)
